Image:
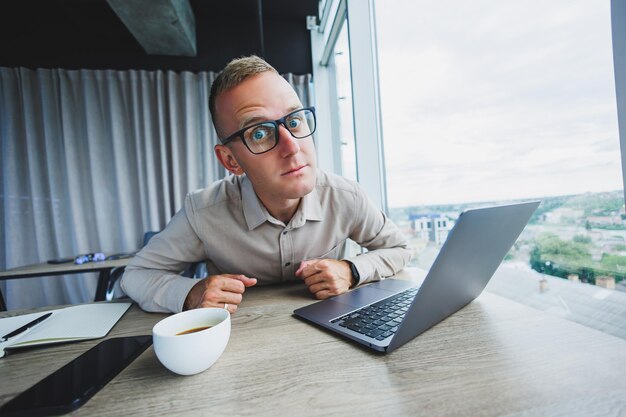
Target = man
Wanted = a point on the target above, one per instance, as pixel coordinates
(277, 218)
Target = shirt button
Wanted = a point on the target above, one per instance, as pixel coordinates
(288, 263)
(285, 232)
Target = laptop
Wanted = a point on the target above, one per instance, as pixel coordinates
(386, 314)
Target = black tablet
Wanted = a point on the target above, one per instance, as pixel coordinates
(75, 383)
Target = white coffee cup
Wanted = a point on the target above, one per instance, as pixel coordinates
(191, 353)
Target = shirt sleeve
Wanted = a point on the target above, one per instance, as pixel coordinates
(388, 248)
(152, 277)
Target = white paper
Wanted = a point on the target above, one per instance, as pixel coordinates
(81, 322)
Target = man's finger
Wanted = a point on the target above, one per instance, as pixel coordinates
(310, 268)
(231, 308)
(322, 285)
(219, 298)
(208, 303)
(303, 264)
(247, 281)
(231, 284)
(322, 295)
(230, 298)
(236, 283)
(314, 279)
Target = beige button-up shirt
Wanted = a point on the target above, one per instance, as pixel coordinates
(227, 226)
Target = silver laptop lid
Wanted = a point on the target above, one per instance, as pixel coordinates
(473, 251)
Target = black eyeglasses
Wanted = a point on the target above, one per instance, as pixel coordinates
(263, 137)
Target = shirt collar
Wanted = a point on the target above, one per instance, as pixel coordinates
(253, 210)
(256, 214)
(311, 206)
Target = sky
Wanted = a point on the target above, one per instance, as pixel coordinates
(494, 100)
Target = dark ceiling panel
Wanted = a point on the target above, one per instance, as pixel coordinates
(76, 34)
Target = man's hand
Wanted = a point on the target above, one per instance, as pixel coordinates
(217, 291)
(325, 277)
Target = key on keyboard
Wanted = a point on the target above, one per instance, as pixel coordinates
(381, 319)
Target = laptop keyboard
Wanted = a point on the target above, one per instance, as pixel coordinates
(379, 320)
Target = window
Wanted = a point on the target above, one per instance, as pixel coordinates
(489, 102)
(343, 78)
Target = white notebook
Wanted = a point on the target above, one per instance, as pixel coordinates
(81, 322)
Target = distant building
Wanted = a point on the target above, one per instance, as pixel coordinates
(605, 281)
(432, 227)
(562, 215)
(605, 220)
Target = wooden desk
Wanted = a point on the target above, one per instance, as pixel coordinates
(45, 269)
(493, 358)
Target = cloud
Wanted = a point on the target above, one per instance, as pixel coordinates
(491, 100)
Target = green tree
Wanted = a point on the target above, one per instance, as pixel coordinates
(535, 259)
(550, 245)
(582, 239)
(552, 255)
(613, 262)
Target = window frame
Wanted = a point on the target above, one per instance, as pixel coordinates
(618, 29)
(360, 17)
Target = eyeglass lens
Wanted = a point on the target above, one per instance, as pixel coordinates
(263, 137)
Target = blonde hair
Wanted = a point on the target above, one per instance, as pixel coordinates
(235, 72)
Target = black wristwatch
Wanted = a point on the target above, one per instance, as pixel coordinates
(355, 274)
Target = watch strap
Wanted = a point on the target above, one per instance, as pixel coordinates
(356, 277)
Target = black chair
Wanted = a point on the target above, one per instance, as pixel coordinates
(147, 236)
(195, 270)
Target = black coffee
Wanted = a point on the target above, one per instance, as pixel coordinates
(195, 329)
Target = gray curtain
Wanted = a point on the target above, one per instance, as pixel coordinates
(92, 159)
